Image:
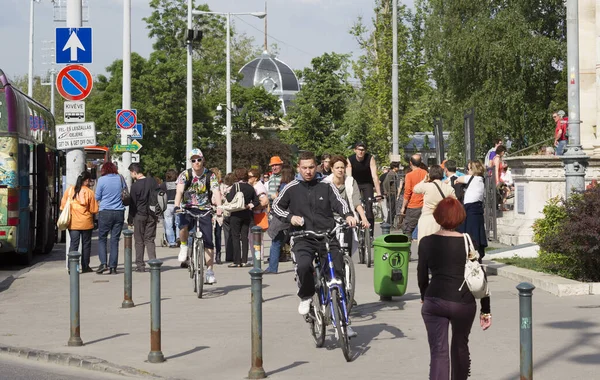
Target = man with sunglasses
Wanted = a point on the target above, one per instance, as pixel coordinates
(362, 166)
(197, 190)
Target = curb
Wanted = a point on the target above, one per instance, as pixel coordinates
(72, 360)
(559, 286)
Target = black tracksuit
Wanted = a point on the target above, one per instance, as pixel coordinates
(314, 201)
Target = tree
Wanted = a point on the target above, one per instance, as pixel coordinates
(319, 110)
(253, 108)
(506, 59)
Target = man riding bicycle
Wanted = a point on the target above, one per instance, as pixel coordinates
(196, 189)
(307, 203)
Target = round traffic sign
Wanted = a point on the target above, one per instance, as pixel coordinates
(126, 119)
(74, 82)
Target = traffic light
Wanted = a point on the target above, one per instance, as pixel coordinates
(193, 35)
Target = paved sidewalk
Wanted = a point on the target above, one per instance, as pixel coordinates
(210, 337)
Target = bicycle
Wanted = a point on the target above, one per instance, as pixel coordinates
(197, 261)
(365, 243)
(349, 271)
(329, 304)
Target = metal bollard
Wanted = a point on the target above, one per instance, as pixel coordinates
(155, 355)
(256, 370)
(525, 321)
(75, 339)
(257, 242)
(385, 228)
(128, 292)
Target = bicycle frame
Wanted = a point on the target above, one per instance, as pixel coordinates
(333, 282)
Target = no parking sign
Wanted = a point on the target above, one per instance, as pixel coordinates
(74, 82)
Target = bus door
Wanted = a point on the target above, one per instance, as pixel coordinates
(23, 232)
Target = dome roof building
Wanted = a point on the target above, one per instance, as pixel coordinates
(274, 76)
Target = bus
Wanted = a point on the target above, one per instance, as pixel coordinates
(30, 172)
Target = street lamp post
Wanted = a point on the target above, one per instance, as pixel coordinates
(30, 77)
(227, 79)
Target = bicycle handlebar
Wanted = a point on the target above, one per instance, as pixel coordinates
(203, 213)
(320, 235)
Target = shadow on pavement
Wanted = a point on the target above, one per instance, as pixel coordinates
(278, 297)
(366, 334)
(283, 369)
(148, 302)
(210, 292)
(184, 353)
(367, 312)
(582, 338)
(106, 338)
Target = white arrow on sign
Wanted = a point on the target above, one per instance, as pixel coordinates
(73, 43)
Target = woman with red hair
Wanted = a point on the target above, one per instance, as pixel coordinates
(111, 216)
(444, 254)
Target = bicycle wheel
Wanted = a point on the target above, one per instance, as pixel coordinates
(317, 323)
(199, 266)
(190, 266)
(368, 250)
(349, 280)
(340, 323)
(361, 248)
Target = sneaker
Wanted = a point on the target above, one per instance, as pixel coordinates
(210, 277)
(182, 253)
(351, 332)
(304, 306)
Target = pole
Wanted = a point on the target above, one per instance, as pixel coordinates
(155, 355)
(128, 292)
(52, 91)
(526, 342)
(257, 243)
(75, 339)
(30, 76)
(395, 79)
(575, 160)
(75, 157)
(256, 370)
(228, 113)
(189, 106)
(126, 87)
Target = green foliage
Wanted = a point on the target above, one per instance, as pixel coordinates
(531, 263)
(506, 59)
(320, 107)
(253, 108)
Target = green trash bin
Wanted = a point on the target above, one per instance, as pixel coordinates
(391, 254)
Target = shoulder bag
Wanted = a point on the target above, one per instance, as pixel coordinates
(125, 196)
(475, 277)
(440, 190)
(237, 203)
(65, 216)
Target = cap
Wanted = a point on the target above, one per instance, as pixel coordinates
(275, 160)
(360, 144)
(195, 152)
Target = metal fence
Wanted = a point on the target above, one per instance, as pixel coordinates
(490, 204)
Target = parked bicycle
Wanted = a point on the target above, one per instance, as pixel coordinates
(330, 304)
(196, 258)
(365, 243)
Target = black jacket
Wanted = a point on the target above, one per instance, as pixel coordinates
(249, 197)
(140, 197)
(314, 201)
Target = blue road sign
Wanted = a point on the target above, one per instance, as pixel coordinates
(138, 131)
(73, 45)
(127, 119)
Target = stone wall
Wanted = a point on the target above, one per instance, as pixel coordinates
(537, 179)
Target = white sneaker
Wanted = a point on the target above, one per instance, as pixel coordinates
(210, 277)
(351, 332)
(304, 306)
(183, 249)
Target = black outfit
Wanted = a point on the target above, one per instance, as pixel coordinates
(315, 202)
(239, 222)
(444, 304)
(474, 225)
(144, 220)
(361, 171)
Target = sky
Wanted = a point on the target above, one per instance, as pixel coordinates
(304, 28)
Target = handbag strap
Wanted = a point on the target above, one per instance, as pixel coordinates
(123, 182)
(440, 190)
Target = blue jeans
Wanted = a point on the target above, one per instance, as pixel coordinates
(169, 216)
(560, 148)
(275, 251)
(110, 221)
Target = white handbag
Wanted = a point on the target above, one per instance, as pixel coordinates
(474, 274)
(237, 203)
(65, 216)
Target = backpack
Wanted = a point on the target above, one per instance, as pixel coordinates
(189, 176)
(460, 189)
(157, 199)
(475, 277)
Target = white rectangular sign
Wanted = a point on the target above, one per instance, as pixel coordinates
(74, 112)
(72, 136)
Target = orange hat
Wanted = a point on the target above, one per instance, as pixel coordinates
(275, 160)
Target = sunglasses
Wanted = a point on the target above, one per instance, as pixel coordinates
(361, 149)
(194, 160)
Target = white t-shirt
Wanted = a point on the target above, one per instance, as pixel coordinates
(475, 191)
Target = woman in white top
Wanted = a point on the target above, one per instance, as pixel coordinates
(433, 190)
(474, 223)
